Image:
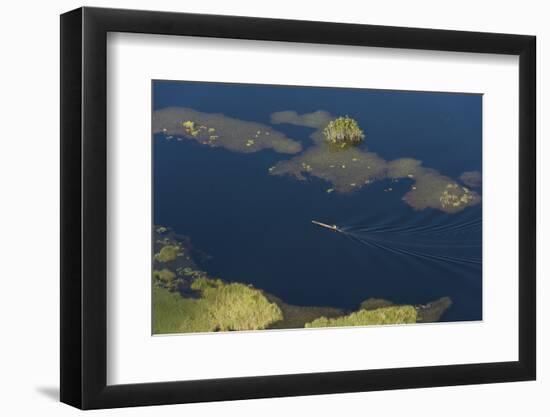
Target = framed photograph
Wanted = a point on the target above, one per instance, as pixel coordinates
(258, 208)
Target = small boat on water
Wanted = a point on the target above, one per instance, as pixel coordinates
(332, 227)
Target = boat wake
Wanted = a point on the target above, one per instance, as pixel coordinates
(437, 238)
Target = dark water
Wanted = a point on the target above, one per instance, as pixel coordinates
(257, 227)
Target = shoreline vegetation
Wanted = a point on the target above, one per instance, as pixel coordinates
(187, 300)
(337, 155)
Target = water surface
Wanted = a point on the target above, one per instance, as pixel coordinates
(257, 227)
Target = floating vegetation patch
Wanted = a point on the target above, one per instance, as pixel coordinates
(431, 189)
(374, 303)
(168, 253)
(379, 316)
(296, 317)
(171, 260)
(346, 170)
(218, 130)
(403, 168)
(351, 168)
(317, 120)
(165, 278)
(471, 178)
(431, 312)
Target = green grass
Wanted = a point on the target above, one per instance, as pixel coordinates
(165, 277)
(221, 307)
(385, 315)
(174, 314)
(168, 253)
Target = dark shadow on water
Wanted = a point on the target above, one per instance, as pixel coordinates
(50, 392)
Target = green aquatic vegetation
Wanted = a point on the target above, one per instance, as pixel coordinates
(454, 196)
(351, 168)
(343, 131)
(168, 253)
(403, 168)
(220, 307)
(379, 316)
(232, 134)
(172, 257)
(425, 313)
(431, 189)
(471, 178)
(165, 278)
(317, 119)
(190, 128)
(347, 170)
(374, 303)
(190, 272)
(432, 311)
(296, 317)
(173, 313)
(164, 241)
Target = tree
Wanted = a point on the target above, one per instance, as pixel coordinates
(343, 131)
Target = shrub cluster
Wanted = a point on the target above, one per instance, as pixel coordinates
(168, 253)
(221, 307)
(343, 131)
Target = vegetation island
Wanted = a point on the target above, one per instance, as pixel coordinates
(337, 158)
(338, 154)
(217, 130)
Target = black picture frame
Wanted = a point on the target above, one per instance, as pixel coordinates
(84, 207)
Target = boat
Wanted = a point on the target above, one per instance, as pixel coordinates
(332, 227)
